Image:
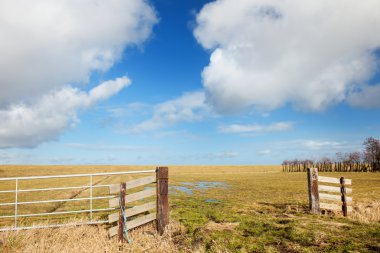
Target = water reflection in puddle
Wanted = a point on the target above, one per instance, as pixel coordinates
(212, 201)
(183, 189)
(207, 185)
(188, 187)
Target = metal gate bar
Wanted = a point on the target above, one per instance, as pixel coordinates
(91, 198)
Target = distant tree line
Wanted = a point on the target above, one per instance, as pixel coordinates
(366, 161)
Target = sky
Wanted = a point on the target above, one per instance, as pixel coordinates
(164, 82)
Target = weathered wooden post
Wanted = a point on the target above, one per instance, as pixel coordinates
(162, 199)
(343, 197)
(123, 188)
(312, 179)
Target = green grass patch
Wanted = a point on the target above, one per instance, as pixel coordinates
(255, 209)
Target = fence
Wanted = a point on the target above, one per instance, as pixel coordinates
(10, 211)
(334, 202)
(160, 203)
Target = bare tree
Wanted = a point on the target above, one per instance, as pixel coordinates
(354, 159)
(339, 164)
(369, 160)
(372, 153)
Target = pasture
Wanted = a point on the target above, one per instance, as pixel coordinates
(216, 209)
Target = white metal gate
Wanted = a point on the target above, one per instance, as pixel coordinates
(90, 210)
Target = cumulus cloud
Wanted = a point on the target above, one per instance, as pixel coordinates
(366, 97)
(50, 49)
(189, 107)
(256, 128)
(267, 53)
(27, 125)
(46, 44)
(128, 110)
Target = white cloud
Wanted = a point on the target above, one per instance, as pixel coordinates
(256, 128)
(49, 48)
(189, 107)
(266, 53)
(128, 110)
(317, 144)
(27, 125)
(367, 97)
(107, 89)
(46, 44)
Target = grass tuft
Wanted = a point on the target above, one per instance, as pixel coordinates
(255, 209)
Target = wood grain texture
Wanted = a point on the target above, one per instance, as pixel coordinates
(332, 197)
(133, 184)
(333, 180)
(133, 211)
(312, 179)
(122, 208)
(162, 199)
(141, 220)
(344, 198)
(332, 189)
(133, 197)
(113, 231)
(329, 206)
(113, 217)
(133, 223)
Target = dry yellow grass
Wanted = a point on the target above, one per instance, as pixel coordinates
(367, 212)
(261, 210)
(91, 239)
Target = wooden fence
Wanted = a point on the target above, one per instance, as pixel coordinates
(57, 199)
(138, 213)
(334, 197)
(138, 201)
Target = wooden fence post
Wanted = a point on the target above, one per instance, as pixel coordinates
(162, 199)
(343, 192)
(312, 179)
(123, 187)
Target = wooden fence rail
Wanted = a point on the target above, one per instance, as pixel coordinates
(325, 193)
(140, 214)
(93, 184)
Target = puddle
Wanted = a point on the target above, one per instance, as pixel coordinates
(207, 185)
(183, 189)
(188, 187)
(212, 201)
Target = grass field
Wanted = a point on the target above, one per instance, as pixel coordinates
(217, 209)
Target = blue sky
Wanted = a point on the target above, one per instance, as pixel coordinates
(187, 82)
